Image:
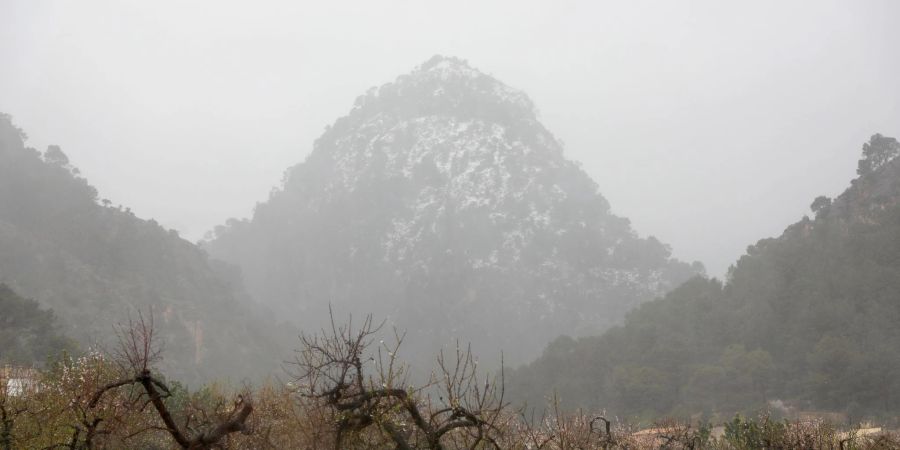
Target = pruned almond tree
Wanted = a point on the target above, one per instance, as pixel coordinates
(366, 394)
(136, 355)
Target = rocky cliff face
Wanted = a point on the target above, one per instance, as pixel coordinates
(441, 203)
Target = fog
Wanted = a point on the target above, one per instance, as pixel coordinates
(412, 224)
(696, 119)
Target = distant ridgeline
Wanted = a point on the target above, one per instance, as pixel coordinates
(810, 317)
(94, 264)
(442, 204)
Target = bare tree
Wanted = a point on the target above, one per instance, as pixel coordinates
(137, 353)
(558, 429)
(672, 434)
(363, 390)
(535, 433)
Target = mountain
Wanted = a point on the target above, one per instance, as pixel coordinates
(442, 204)
(95, 264)
(808, 319)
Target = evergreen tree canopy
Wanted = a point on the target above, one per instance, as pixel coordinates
(28, 334)
(94, 264)
(809, 318)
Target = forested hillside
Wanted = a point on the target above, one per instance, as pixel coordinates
(94, 264)
(28, 333)
(809, 318)
(442, 203)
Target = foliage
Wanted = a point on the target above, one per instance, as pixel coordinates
(877, 152)
(94, 263)
(806, 320)
(28, 334)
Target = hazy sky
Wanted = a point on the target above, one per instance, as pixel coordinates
(709, 124)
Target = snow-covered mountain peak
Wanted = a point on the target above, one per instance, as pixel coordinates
(448, 67)
(444, 118)
(445, 86)
(441, 198)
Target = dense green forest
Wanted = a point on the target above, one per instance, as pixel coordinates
(95, 264)
(807, 320)
(29, 334)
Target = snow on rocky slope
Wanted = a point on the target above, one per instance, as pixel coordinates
(442, 204)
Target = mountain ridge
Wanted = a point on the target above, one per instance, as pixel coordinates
(805, 321)
(95, 264)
